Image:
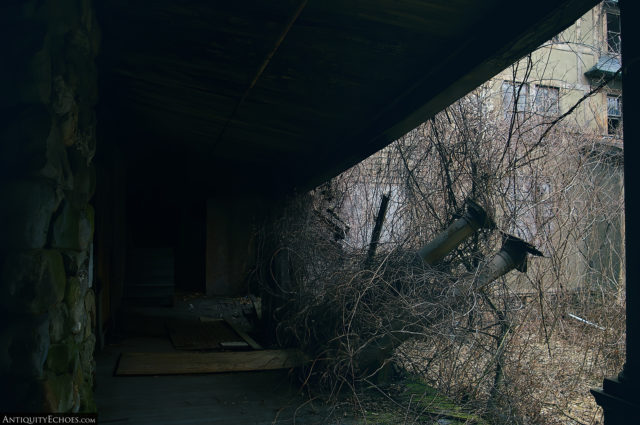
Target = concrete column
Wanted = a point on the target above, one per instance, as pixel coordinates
(619, 395)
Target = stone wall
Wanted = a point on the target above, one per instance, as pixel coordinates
(47, 143)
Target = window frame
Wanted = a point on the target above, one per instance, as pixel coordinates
(614, 114)
(613, 35)
(546, 105)
(518, 94)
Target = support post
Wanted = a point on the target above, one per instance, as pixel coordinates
(377, 229)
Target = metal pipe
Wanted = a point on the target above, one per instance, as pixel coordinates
(475, 218)
(512, 255)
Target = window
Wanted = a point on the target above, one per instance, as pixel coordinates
(614, 114)
(529, 199)
(613, 32)
(546, 100)
(514, 97)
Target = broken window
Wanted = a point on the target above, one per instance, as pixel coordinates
(546, 100)
(514, 97)
(529, 199)
(613, 32)
(614, 114)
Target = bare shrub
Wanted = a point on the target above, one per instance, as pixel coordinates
(524, 349)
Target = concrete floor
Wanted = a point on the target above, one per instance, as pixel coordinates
(266, 397)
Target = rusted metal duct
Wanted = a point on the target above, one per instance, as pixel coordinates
(512, 255)
(474, 219)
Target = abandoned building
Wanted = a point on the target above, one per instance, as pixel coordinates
(555, 79)
(142, 143)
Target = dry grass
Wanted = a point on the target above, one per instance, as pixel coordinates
(546, 382)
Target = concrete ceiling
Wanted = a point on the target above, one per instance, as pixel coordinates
(288, 93)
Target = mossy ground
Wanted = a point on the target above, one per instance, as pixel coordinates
(411, 401)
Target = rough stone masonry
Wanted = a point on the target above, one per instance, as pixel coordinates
(47, 144)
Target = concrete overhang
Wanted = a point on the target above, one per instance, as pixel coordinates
(288, 93)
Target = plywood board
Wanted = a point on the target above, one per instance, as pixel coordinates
(246, 337)
(195, 363)
(200, 335)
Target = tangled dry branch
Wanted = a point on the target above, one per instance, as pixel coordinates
(514, 349)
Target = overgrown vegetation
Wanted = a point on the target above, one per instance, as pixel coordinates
(524, 349)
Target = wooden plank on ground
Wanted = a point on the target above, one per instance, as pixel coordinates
(242, 334)
(174, 363)
(234, 345)
(198, 335)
